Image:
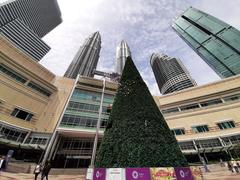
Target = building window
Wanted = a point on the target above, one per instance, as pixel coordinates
(82, 121)
(188, 145)
(38, 140)
(12, 74)
(91, 96)
(83, 146)
(226, 125)
(177, 132)
(39, 89)
(211, 102)
(21, 114)
(171, 110)
(189, 107)
(12, 134)
(76, 106)
(208, 143)
(200, 129)
(231, 140)
(232, 98)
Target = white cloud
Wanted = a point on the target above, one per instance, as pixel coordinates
(145, 25)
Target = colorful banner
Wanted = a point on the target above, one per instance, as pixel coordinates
(116, 174)
(163, 173)
(183, 173)
(99, 174)
(138, 174)
(160, 173)
(196, 172)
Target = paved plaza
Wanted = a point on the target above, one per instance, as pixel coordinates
(22, 176)
(217, 173)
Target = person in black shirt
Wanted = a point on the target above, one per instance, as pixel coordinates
(46, 169)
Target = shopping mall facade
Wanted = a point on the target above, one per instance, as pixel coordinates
(46, 116)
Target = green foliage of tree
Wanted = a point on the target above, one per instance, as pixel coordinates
(137, 134)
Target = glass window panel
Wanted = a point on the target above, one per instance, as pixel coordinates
(171, 110)
(226, 125)
(189, 107)
(211, 102)
(39, 88)
(232, 98)
(13, 74)
(22, 114)
(200, 129)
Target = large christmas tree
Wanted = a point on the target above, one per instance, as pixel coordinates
(137, 134)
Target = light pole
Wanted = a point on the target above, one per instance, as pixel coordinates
(98, 126)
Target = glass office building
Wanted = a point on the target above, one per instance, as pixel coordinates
(77, 127)
(215, 41)
(25, 22)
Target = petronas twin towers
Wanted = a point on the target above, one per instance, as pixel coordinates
(170, 74)
(86, 59)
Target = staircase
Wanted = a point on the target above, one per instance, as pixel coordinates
(219, 173)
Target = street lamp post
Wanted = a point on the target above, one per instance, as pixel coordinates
(98, 126)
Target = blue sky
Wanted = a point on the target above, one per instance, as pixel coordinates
(144, 24)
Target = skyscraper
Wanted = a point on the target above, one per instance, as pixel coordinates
(24, 22)
(215, 41)
(86, 59)
(122, 52)
(171, 75)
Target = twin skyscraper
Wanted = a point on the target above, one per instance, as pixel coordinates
(86, 59)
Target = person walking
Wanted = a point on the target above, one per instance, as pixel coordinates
(234, 164)
(2, 163)
(37, 170)
(221, 162)
(230, 167)
(46, 169)
(204, 164)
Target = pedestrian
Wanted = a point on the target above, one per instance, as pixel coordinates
(37, 170)
(46, 169)
(229, 165)
(2, 163)
(234, 165)
(221, 163)
(238, 165)
(204, 164)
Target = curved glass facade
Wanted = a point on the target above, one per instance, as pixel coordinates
(170, 74)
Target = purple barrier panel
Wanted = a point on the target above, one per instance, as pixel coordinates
(99, 174)
(138, 174)
(183, 173)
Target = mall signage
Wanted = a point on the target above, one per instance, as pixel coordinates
(138, 174)
(99, 174)
(159, 173)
